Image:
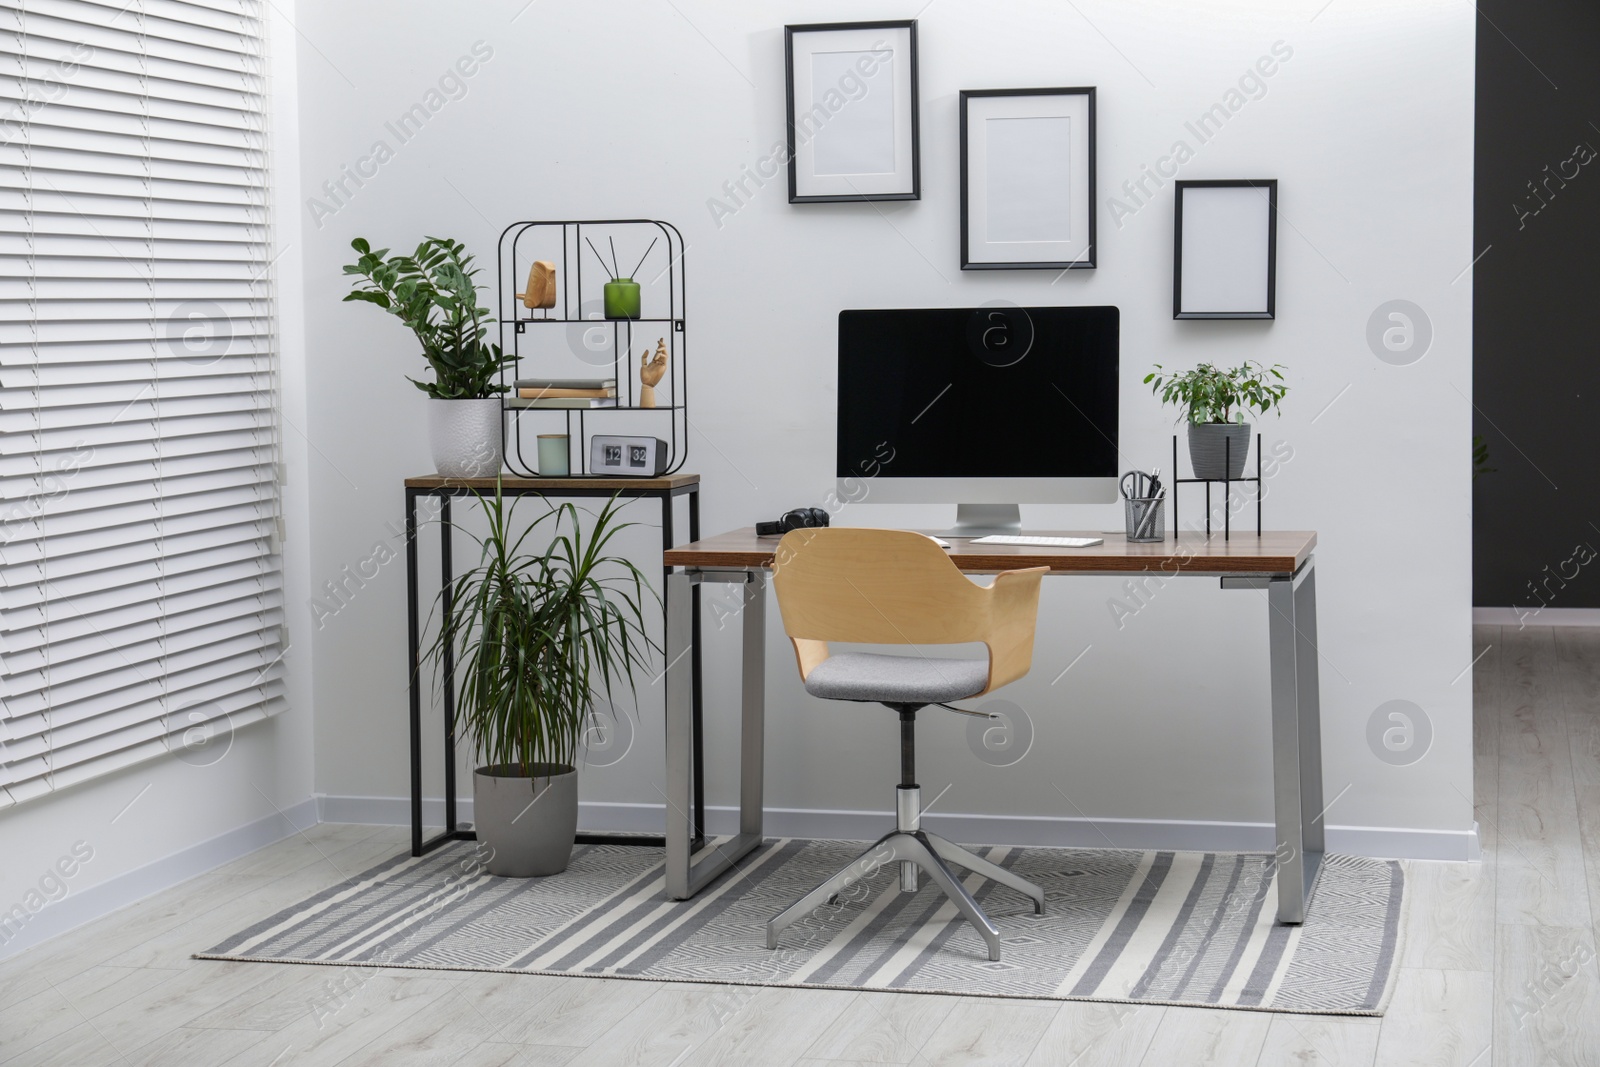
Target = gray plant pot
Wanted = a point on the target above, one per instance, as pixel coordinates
(528, 823)
(1218, 449)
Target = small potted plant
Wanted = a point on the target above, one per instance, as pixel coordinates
(1480, 457)
(434, 293)
(539, 636)
(1214, 402)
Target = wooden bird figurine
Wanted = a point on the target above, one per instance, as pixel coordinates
(651, 372)
(541, 286)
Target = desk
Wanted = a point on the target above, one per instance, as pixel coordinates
(1280, 563)
(664, 489)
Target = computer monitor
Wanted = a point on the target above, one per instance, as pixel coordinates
(985, 408)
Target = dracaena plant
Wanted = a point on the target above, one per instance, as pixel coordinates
(434, 293)
(541, 634)
(1212, 394)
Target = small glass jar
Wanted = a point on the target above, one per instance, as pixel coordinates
(554, 461)
(622, 298)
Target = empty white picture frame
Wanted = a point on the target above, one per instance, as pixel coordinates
(1225, 249)
(852, 111)
(1027, 179)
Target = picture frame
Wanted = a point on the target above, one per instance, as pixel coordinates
(1225, 241)
(1028, 179)
(856, 136)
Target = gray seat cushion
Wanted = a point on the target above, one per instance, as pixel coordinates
(897, 679)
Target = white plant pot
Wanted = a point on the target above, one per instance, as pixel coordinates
(465, 436)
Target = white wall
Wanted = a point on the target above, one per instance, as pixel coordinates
(160, 822)
(646, 109)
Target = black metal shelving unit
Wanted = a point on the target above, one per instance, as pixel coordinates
(1227, 448)
(579, 311)
(529, 336)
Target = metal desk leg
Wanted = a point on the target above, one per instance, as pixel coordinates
(753, 708)
(680, 738)
(1296, 739)
(684, 880)
(699, 705)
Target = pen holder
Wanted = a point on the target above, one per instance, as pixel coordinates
(1147, 518)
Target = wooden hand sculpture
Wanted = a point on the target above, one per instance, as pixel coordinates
(541, 286)
(651, 372)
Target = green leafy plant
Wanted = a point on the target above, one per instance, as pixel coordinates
(1480, 457)
(1211, 394)
(434, 292)
(540, 635)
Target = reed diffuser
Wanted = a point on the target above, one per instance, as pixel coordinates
(621, 293)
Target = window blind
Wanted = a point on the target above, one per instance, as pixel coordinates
(141, 605)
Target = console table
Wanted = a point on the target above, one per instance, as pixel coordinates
(665, 489)
(1280, 563)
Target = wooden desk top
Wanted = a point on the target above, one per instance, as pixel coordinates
(552, 485)
(1274, 552)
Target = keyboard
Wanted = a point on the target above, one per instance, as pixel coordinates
(1039, 542)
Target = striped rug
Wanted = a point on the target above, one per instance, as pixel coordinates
(1151, 927)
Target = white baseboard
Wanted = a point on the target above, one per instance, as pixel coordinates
(1520, 617)
(1378, 841)
(1389, 842)
(83, 906)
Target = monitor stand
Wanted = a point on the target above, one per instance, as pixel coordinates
(980, 520)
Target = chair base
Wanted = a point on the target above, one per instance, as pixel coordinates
(916, 849)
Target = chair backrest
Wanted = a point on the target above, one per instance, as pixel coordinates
(891, 587)
(896, 587)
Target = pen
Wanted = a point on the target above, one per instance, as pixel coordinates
(1144, 520)
(1149, 515)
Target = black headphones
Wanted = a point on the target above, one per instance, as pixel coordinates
(798, 519)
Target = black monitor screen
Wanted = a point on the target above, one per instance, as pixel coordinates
(990, 392)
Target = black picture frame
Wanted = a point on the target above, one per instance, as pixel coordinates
(1270, 185)
(789, 32)
(1086, 261)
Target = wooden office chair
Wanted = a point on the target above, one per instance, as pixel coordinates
(896, 587)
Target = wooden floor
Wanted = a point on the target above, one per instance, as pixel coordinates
(1499, 963)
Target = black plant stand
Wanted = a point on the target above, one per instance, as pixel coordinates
(1227, 464)
(665, 489)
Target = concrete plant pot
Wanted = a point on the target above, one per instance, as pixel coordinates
(1218, 449)
(528, 821)
(465, 437)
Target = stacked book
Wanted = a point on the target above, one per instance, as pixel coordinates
(567, 392)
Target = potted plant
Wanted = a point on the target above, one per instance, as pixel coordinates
(434, 292)
(538, 636)
(1480, 457)
(1215, 402)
